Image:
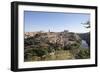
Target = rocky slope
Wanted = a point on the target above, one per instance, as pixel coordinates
(40, 46)
(46, 38)
(86, 37)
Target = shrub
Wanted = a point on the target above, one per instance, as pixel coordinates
(83, 54)
(40, 52)
(72, 46)
(50, 49)
(75, 46)
(67, 47)
(28, 41)
(74, 49)
(27, 56)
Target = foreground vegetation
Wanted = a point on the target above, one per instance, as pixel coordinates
(42, 55)
(68, 52)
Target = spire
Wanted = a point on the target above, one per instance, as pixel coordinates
(49, 30)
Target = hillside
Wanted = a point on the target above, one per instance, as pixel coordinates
(86, 37)
(51, 46)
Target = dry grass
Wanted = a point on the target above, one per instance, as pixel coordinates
(58, 55)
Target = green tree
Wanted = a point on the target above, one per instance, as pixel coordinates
(83, 54)
(87, 24)
(73, 48)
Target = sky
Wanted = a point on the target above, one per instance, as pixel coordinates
(55, 21)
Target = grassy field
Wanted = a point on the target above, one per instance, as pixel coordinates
(58, 55)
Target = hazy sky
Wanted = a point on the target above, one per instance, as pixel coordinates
(54, 21)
